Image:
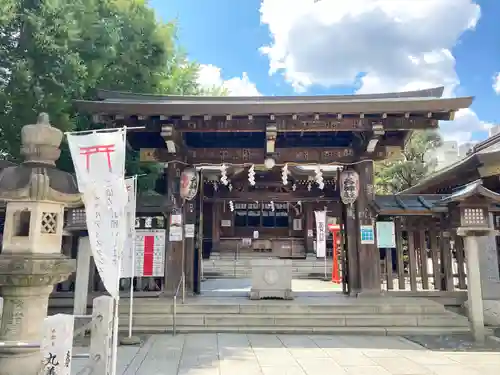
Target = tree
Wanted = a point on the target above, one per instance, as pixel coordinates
(415, 164)
(55, 51)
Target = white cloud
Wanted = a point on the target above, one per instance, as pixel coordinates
(461, 128)
(210, 76)
(496, 83)
(380, 45)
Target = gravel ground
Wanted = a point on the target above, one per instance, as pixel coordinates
(456, 343)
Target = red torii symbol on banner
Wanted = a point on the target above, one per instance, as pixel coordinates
(91, 150)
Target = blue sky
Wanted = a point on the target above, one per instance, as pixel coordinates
(332, 47)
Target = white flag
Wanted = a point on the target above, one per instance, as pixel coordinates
(320, 233)
(129, 258)
(106, 225)
(98, 156)
(99, 160)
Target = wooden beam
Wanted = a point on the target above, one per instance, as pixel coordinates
(325, 155)
(265, 198)
(291, 123)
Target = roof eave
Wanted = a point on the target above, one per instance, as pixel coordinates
(241, 107)
(435, 92)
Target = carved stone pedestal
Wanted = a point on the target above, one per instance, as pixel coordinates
(25, 284)
(271, 278)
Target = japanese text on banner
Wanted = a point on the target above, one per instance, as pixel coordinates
(129, 258)
(320, 217)
(106, 224)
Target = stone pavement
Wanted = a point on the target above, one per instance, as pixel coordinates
(252, 354)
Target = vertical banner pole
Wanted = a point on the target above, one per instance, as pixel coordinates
(132, 273)
(117, 298)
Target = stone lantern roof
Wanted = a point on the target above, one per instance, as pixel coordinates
(37, 178)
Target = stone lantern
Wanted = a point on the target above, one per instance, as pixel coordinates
(36, 194)
(469, 207)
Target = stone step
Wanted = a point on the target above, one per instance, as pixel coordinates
(260, 320)
(162, 306)
(374, 331)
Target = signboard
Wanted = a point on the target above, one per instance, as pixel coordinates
(189, 230)
(386, 235)
(150, 253)
(175, 233)
(190, 180)
(150, 222)
(320, 233)
(225, 223)
(57, 344)
(367, 234)
(297, 224)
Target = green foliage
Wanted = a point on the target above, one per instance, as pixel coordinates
(55, 51)
(415, 164)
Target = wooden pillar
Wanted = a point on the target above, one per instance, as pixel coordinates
(350, 241)
(369, 255)
(189, 242)
(173, 251)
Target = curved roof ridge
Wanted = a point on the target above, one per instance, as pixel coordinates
(436, 92)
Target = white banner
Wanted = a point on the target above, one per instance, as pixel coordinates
(320, 217)
(99, 160)
(57, 344)
(129, 256)
(98, 156)
(107, 226)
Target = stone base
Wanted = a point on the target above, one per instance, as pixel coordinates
(491, 309)
(271, 278)
(278, 294)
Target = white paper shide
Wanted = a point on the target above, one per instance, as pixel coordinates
(320, 217)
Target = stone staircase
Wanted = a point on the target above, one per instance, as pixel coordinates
(339, 314)
(226, 267)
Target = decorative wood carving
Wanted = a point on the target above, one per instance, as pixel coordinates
(314, 155)
(254, 155)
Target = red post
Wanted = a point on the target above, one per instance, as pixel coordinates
(335, 229)
(335, 269)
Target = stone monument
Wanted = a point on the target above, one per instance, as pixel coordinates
(271, 278)
(31, 262)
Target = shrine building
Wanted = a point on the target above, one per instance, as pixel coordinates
(264, 166)
(296, 148)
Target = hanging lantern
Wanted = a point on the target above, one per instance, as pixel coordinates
(349, 186)
(190, 180)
